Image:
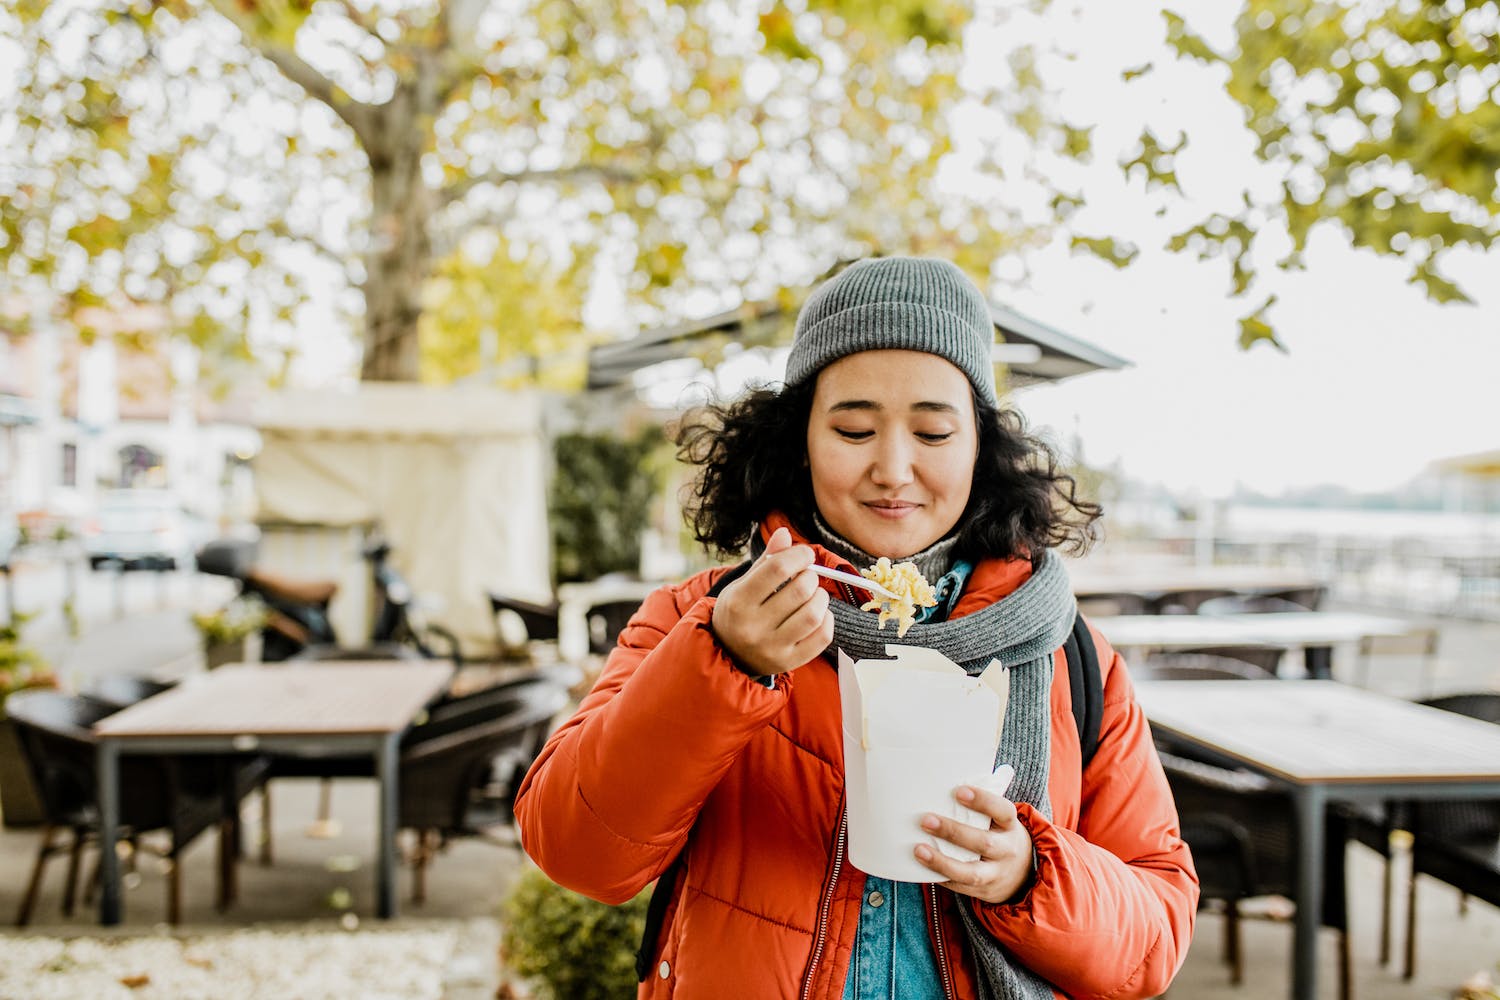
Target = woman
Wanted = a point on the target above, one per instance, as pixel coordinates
(714, 730)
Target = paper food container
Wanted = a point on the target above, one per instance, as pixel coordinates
(915, 728)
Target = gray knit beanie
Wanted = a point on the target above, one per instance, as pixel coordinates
(907, 303)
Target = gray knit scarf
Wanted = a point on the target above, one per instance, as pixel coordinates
(1022, 631)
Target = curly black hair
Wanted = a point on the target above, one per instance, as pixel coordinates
(752, 458)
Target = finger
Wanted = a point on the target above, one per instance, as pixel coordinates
(772, 572)
(962, 876)
(780, 539)
(794, 596)
(813, 645)
(803, 619)
(960, 834)
(997, 807)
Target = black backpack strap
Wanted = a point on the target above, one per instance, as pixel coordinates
(666, 882)
(1087, 687)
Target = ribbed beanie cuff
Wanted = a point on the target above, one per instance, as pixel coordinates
(897, 303)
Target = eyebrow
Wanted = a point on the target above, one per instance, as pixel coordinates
(925, 406)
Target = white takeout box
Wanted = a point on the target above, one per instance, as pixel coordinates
(915, 728)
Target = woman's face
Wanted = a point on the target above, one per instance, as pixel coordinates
(891, 444)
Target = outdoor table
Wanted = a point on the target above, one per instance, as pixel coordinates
(1314, 632)
(1166, 578)
(1327, 742)
(344, 708)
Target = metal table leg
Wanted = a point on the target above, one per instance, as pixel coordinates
(108, 756)
(387, 770)
(1310, 802)
(1318, 660)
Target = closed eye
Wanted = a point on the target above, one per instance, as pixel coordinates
(855, 435)
(935, 438)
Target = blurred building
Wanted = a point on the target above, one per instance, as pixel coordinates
(122, 412)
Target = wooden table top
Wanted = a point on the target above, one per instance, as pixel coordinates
(1325, 732)
(313, 699)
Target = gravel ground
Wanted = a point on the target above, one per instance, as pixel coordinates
(434, 961)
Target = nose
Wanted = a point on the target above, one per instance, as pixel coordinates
(892, 464)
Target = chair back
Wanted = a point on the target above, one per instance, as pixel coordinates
(1251, 604)
(56, 736)
(540, 620)
(606, 621)
(1186, 602)
(124, 690)
(1415, 652)
(1308, 598)
(446, 758)
(1104, 604)
(1465, 820)
(1218, 663)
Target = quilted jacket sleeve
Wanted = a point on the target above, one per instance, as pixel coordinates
(611, 798)
(1112, 909)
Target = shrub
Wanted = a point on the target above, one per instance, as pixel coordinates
(577, 948)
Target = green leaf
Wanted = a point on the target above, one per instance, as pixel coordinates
(1438, 288)
(1117, 252)
(1256, 329)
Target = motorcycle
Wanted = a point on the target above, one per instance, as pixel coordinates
(297, 621)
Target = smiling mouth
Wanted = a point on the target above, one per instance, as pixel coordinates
(891, 508)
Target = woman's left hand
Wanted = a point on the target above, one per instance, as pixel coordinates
(1005, 861)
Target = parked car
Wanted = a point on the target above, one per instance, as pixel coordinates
(146, 529)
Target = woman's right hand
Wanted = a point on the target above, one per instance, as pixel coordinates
(775, 617)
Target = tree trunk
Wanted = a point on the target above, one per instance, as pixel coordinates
(400, 255)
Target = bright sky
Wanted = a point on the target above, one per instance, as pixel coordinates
(1377, 381)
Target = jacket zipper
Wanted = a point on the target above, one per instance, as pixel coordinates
(827, 906)
(942, 951)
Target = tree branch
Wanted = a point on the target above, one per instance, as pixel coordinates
(604, 172)
(358, 116)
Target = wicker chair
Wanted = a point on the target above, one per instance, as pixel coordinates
(606, 621)
(462, 767)
(1253, 604)
(1454, 841)
(1209, 664)
(124, 690)
(180, 796)
(1241, 829)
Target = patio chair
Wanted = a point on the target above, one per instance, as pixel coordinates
(540, 620)
(1186, 602)
(607, 620)
(1241, 829)
(1414, 652)
(124, 690)
(1309, 598)
(325, 766)
(462, 767)
(157, 793)
(445, 715)
(1249, 604)
(1103, 604)
(1456, 841)
(1212, 664)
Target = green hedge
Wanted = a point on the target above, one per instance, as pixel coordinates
(573, 947)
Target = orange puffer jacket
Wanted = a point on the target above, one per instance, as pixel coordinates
(675, 749)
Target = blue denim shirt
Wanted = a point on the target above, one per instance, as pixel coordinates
(892, 952)
(893, 957)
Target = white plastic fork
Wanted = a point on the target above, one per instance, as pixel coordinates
(853, 581)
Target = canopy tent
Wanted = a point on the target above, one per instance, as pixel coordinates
(1033, 351)
(455, 480)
